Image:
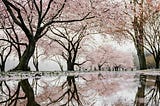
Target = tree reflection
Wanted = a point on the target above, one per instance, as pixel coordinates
(10, 94)
(148, 93)
(153, 95)
(20, 93)
(72, 90)
(28, 92)
(71, 96)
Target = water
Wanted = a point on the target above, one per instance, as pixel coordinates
(87, 89)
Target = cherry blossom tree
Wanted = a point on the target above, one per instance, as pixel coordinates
(128, 18)
(70, 40)
(99, 57)
(9, 36)
(55, 54)
(107, 56)
(112, 16)
(123, 60)
(33, 18)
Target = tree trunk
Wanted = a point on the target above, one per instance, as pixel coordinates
(70, 66)
(139, 34)
(28, 92)
(23, 65)
(140, 47)
(141, 91)
(2, 67)
(70, 80)
(142, 59)
(99, 67)
(157, 63)
(24, 60)
(37, 68)
(36, 64)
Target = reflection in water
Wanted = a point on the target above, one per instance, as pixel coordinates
(82, 90)
(148, 93)
(12, 94)
(27, 89)
(141, 91)
(71, 93)
(20, 93)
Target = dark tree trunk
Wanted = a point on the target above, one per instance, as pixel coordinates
(28, 92)
(2, 64)
(99, 67)
(36, 59)
(3, 57)
(116, 68)
(23, 65)
(141, 91)
(138, 28)
(36, 65)
(24, 60)
(142, 59)
(157, 63)
(70, 66)
(139, 34)
(140, 46)
(70, 80)
(2, 67)
(72, 85)
(37, 68)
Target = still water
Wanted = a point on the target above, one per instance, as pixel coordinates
(81, 89)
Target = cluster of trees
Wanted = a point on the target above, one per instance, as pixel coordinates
(25, 22)
(62, 27)
(105, 57)
(27, 25)
(137, 20)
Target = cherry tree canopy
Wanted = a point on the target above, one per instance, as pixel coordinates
(107, 56)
